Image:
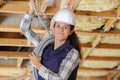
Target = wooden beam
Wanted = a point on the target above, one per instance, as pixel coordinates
(91, 78)
(16, 28)
(39, 29)
(14, 55)
(25, 55)
(43, 6)
(25, 43)
(14, 42)
(96, 58)
(103, 14)
(110, 75)
(103, 45)
(97, 32)
(94, 43)
(51, 10)
(1, 3)
(97, 39)
(97, 70)
(73, 4)
(86, 53)
(110, 22)
(19, 62)
(116, 76)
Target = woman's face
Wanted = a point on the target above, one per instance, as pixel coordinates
(62, 31)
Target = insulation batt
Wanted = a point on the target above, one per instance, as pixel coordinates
(97, 5)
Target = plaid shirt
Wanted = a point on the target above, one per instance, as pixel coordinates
(68, 64)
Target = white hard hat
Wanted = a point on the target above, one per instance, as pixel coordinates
(65, 15)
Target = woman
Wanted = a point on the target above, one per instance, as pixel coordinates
(60, 59)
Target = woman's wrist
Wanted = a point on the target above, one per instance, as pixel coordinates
(31, 12)
(38, 66)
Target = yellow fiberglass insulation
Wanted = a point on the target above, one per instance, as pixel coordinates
(117, 25)
(98, 5)
(88, 23)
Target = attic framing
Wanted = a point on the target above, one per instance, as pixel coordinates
(21, 9)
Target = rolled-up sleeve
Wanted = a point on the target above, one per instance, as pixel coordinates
(25, 28)
(66, 67)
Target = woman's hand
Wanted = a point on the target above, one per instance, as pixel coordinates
(35, 60)
(32, 3)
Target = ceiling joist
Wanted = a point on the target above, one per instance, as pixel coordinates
(14, 55)
(25, 43)
(40, 29)
(51, 10)
(25, 55)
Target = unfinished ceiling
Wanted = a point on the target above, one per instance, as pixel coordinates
(97, 26)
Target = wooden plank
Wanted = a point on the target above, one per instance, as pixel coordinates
(51, 10)
(14, 42)
(96, 58)
(25, 55)
(110, 22)
(39, 29)
(16, 28)
(14, 8)
(86, 53)
(19, 62)
(94, 43)
(43, 6)
(91, 78)
(103, 14)
(14, 55)
(97, 32)
(97, 70)
(1, 3)
(25, 43)
(110, 75)
(73, 4)
(103, 45)
(96, 40)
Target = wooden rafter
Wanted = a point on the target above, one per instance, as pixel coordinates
(51, 10)
(1, 2)
(39, 29)
(98, 70)
(73, 4)
(110, 75)
(43, 6)
(98, 38)
(94, 43)
(14, 42)
(104, 14)
(103, 45)
(95, 58)
(25, 55)
(91, 78)
(110, 22)
(19, 62)
(14, 55)
(26, 43)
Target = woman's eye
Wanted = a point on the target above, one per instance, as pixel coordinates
(66, 27)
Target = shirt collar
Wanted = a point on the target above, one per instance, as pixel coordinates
(65, 45)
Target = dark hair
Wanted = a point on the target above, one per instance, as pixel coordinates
(75, 41)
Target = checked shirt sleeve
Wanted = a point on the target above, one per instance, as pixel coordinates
(25, 27)
(66, 67)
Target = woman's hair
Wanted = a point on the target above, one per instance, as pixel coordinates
(74, 40)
